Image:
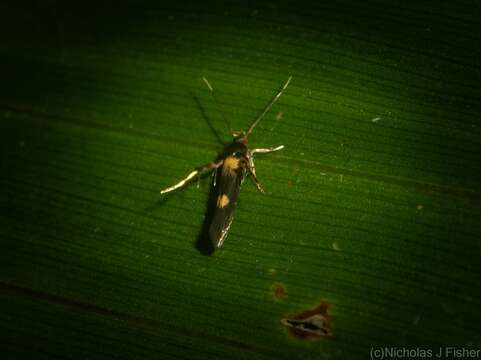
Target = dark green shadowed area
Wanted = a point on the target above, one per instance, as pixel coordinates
(373, 207)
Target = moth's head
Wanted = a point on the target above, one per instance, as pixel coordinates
(240, 137)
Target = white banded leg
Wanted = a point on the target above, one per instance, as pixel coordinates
(252, 167)
(197, 172)
(252, 170)
(266, 151)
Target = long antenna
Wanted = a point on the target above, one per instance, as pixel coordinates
(218, 104)
(268, 107)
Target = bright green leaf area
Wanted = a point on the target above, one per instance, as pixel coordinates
(374, 205)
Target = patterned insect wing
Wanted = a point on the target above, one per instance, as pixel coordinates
(230, 177)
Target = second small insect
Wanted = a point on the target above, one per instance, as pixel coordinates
(230, 170)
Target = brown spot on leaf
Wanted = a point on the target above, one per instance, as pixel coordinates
(309, 324)
(279, 291)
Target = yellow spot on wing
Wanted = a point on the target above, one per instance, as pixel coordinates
(230, 165)
(222, 201)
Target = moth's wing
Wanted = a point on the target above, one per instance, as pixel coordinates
(228, 187)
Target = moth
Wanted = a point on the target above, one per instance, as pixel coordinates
(230, 169)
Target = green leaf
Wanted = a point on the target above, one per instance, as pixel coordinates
(373, 207)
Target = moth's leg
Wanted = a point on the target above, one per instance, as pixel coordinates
(214, 175)
(252, 170)
(251, 166)
(197, 172)
(266, 151)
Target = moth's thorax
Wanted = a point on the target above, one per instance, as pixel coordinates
(236, 149)
(234, 161)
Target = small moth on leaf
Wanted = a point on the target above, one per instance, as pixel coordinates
(230, 170)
